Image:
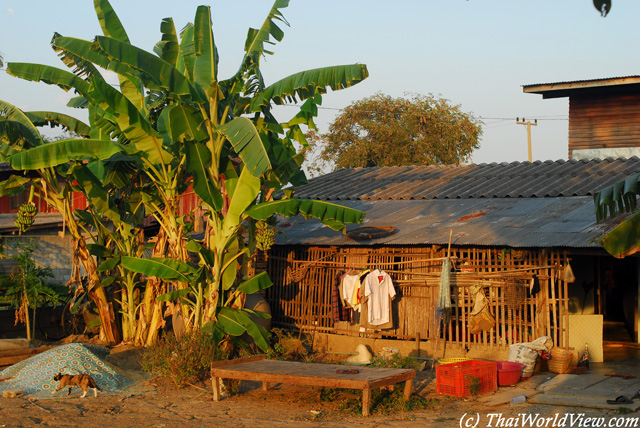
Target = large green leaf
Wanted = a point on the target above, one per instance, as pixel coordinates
(624, 239)
(131, 122)
(256, 283)
(153, 69)
(14, 185)
(173, 295)
(330, 214)
(109, 21)
(198, 161)
(15, 125)
(78, 55)
(256, 39)
(187, 57)
(168, 48)
(206, 64)
(42, 118)
(48, 75)
(244, 191)
(62, 151)
(235, 322)
(247, 143)
(163, 268)
(180, 123)
(618, 198)
(95, 192)
(308, 83)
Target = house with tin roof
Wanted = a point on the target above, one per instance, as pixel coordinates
(508, 228)
(505, 226)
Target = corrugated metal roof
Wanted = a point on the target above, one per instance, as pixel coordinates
(504, 180)
(519, 222)
(591, 81)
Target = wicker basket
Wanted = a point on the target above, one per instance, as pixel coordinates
(452, 360)
(560, 361)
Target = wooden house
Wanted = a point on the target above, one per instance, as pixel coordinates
(604, 115)
(504, 226)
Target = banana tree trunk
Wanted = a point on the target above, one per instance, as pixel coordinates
(108, 326)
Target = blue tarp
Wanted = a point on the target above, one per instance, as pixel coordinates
(34, 376)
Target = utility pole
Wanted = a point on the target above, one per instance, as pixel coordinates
(528, 123)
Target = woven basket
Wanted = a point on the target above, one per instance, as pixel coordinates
(560, 361)
(298, 274)
(452, 360)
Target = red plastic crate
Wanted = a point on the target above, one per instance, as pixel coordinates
(456, 380)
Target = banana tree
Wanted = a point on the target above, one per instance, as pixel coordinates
(219, 136)
(23, 147)
(624, 239)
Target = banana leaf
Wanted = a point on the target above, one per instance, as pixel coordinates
(13, 185)
(15, 124)
(168, 48)
(618, 198)
(256, 39)
(309, 83)
(109, 21)
(62, 151)
(206, 64)
(49, 75)
(624, 239)
(163, 268)
(155, 70)
(235, 322)
(256, 283)
(77, 54)
(330, 214)
(247, 144)
(135, 127)
(198, 159)
(42, 118)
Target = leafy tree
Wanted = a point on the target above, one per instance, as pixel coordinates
(174, 125)
(385, 131)
(27, 286)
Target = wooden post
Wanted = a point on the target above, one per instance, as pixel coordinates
(366, 400)
(408, 389)
(215, 386)
(528, 123)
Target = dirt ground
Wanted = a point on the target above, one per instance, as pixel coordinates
(163, 405)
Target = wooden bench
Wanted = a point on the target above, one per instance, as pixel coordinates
(257, 368)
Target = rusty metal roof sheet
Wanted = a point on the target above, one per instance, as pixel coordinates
(496, 180)
(514, 222)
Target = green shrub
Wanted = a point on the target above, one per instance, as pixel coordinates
(185, 359)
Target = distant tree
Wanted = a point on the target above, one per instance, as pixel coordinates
(385, 131)
(1, 60)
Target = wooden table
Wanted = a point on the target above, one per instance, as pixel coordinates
(257, 368)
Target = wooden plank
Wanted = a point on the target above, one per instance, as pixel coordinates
(250, 359)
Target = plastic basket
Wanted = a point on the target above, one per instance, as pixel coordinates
(467, 378)
(452, 360)
(509, 372)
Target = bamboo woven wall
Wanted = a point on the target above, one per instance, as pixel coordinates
(303, 278)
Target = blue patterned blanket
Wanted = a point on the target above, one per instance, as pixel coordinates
(34, 376)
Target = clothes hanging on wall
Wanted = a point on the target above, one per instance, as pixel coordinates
(534, 287)
(341, 312)
(379, 291)
(351, 284)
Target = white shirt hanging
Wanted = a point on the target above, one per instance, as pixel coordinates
(379, 288)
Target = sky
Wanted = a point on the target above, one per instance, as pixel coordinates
(475, 53)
